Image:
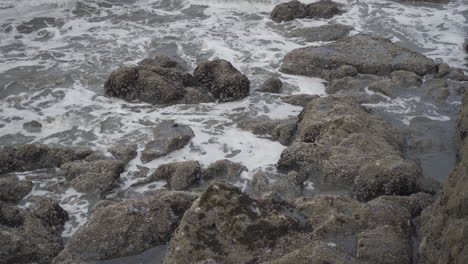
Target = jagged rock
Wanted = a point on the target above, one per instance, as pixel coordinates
(160, 80)
(125, 153)
(288, 186)
(180, 175)
(340, 142)
(127, 228)
(299, 99)
(369, 55)
(272, 85)
(224, 81)
(224, 170)
(93, 177)
(444, 224)
(295, 9)
(32, 236)
(168, 136)
(35, 156)
(281, 130)
(32, 127)
(322, 33)
(225, 225)
(12, 189)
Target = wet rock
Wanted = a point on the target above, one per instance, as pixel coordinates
(281, 130)
(444, 224)
(456, 74)
(161, 80)
(442, 70)
(50, 213)
(125, 153)
(180, 175)
(436, 89)
(226, 225)
(340, 142)
(288, 186)
(272, 85)
(322, 33)
(168, 136)
(128, 228)
(345, 70)
(224, 170)
(32, 127)
(295, 9)
(35, 156)
(425, 1)
(355, 87)
(93, 177)
(299, 99)
(369, 55)
(10, 216)
(33, 239)
(12, 189)
(224, 81)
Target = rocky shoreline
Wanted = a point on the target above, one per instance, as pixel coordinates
(388, 210)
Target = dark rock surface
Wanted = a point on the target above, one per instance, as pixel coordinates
(272, 85)
(369, 55)
(125, 153)
(32, 235)
(299, 99)
(295, 9)
(36, 156)
(224, 170)
(179, 175)
(93, 177)
(340, 142)
(161, 80)
(444, 224)
(227, 226)
(322, 33)
(127, 228)
(168, 136)
(281, 130)
(32, 127)
(12, 189)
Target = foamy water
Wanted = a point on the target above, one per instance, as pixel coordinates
(55, 74)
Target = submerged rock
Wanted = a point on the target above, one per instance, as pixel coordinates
(161, 80)
(93, 177)
(127, 228)
(12, 189)
(340, 142)
(32, 127)
(225, 225)
(295, 9)
(369, 55)
(31, 236)
(35, 156)
(322, 33)
(168, 136)
(299, 99)
(180, 175)
(125, 153)
(444, 224)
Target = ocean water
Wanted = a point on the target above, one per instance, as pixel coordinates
(55, 56)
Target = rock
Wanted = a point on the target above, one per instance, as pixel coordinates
(322, 33)
(32, 127)
(168, 136)
(436, 89)
(12, 189)
(160, 80)
(125, 153)
(443, 69)
(32, 239)
(425, 1)
(50, 213)
(289, 11)
(226, 225)
(281, 130)
(456, 74)
(299, 99)
(444, 224)
(180, 175)
(339, 142)
(128, 228)
(344, 70)
(295, 9)
(369, 55)
(93, 177)
(224, 81)
(35, 156)
(287, 186)
(224, 170)
(272, 85)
